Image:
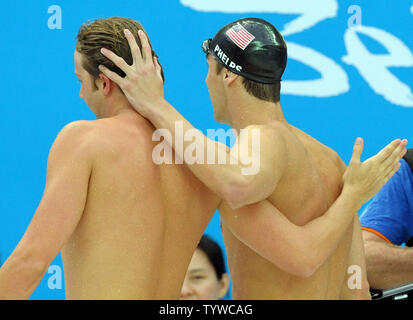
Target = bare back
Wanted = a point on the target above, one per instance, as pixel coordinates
(141, 222)
(310, 184)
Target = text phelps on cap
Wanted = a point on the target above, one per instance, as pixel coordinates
(224, 58)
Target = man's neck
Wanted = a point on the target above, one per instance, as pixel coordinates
(255, 112)
(117, 106)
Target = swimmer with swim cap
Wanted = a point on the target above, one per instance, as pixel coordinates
(259, 54)
(291, 229)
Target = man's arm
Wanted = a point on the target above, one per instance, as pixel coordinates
(301, 250)
(356, 258)
(298, 250)
(388, 265)
(229, 179)
(246, 174)
(68, 172)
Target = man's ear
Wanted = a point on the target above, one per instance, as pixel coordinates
(229, 77)
(224, 285)
(105, 84)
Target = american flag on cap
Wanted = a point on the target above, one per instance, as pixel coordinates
(240, 36)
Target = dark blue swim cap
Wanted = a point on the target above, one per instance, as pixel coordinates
(250, 47)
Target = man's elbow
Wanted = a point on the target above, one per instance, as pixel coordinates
(34, 267)
(28, 271)
(238, 194)
(243, 191)
(301, 270)
(307, 260)
(300, 264)
(306, 270)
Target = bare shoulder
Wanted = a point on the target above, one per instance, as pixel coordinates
(274, 127)
(340, 164)
(320, 152)
(123, 127)
(274, 143)
(73, 146)
(336, 159)
(78, 128)
(107, 133)
(78, 135)
(273, 134)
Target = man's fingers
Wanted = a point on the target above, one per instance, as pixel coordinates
(392, 169)
(387, 151)
(158, 67)
(135, 50)
(357, 150)
(146, 48)
(118, 61)
(112, 75)
(392, 172)
(396, 155)
(404, 152)
(405, 142)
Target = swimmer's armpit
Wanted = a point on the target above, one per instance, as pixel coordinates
(68, 172)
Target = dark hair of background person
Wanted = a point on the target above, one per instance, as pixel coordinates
(214, 254)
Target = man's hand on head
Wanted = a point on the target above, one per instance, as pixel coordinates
(143, 83)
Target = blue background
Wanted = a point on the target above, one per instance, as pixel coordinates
(40, 92)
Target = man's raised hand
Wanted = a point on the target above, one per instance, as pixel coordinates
(365, 179)
(143, 84)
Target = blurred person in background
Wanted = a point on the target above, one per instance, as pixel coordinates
(206, 278)
(387, 224)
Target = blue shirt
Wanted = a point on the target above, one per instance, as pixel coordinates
(390, 213)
